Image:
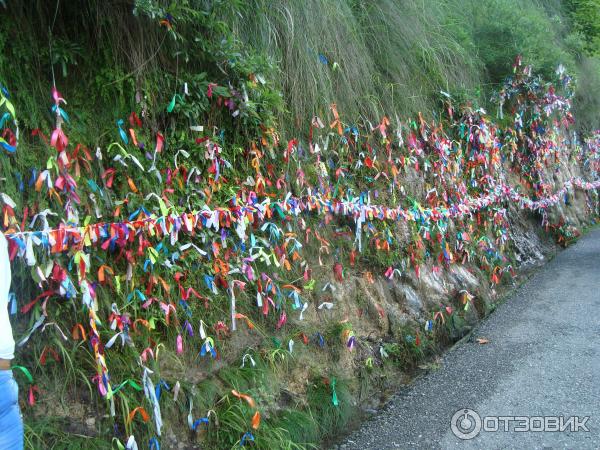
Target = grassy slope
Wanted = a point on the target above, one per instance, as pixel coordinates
(384, 56)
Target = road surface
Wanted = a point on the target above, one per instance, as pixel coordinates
(542, 359)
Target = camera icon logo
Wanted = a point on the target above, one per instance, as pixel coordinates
(465, 424)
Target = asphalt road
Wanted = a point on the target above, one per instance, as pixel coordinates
(542, 359)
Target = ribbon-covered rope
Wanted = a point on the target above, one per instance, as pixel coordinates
(62, 239)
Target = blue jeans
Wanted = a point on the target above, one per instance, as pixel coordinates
(11, 425)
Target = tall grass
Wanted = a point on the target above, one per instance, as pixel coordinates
(368, 57)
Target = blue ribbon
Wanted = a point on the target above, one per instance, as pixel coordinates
(137, 213)
(199, 421)
(213, 353)
(122, 132)
(61, 111)
(158, 389)
(246, 437)
(186, 308)
(139, 293)
(320, 340)
(20, 181)
(209, 280)
(5, 145)
(13, 303)
(94, 186)
(146, 265)
(33, 178)
(153, 444)
(4, 118)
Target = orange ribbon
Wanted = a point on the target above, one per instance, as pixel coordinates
(245, 397)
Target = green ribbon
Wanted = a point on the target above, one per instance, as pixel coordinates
(310, 285)
(25, 371)
(334, 397)
(131, 383)
(9, 106)
(173, 101)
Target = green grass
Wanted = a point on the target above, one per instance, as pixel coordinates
(47, 434)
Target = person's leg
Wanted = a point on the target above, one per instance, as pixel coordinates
(11, 425)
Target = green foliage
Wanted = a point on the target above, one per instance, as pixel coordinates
(369, 57)
(586, 16)
(301, 426)
(128, 61)
(64, 54)
(233, 423)
(498, 30)
(329, 418)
